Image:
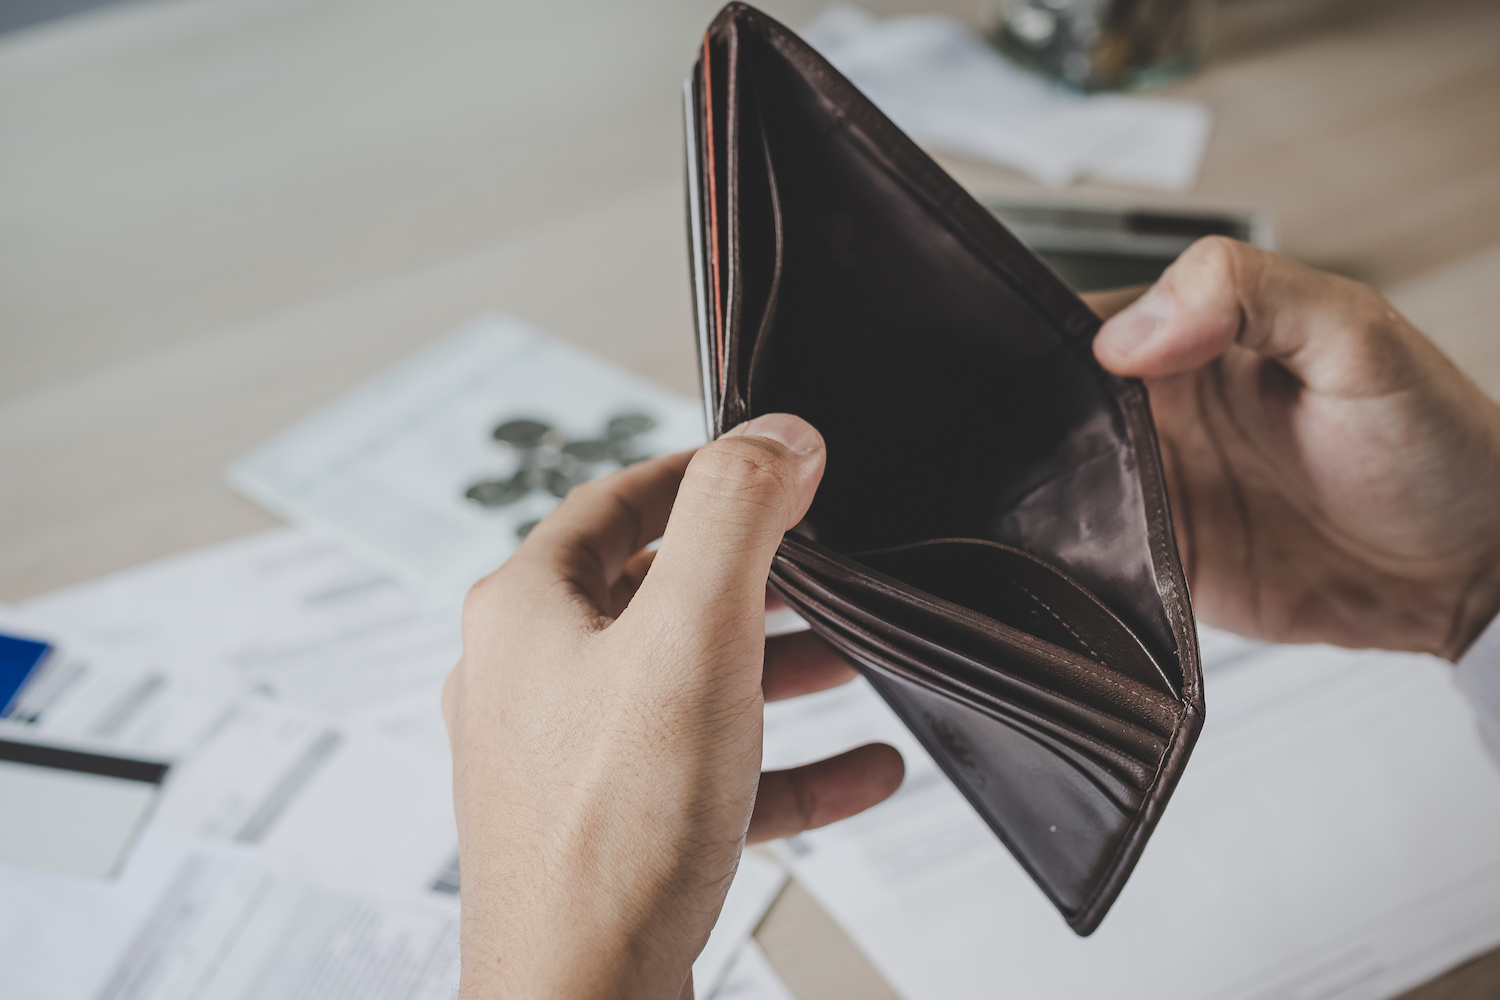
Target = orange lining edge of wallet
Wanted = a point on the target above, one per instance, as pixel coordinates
(713, 215)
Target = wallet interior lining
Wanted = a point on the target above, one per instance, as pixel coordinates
(878, 326)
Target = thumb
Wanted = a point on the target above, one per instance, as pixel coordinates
(739, 495)
(1189, 317)
(1323, 328)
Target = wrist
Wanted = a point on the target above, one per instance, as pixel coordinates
(565, 943)
(578, 915)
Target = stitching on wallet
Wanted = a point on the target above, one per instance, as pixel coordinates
(1130, 695)
(1054, 614)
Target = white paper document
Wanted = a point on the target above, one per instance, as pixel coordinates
(409, 473)
(60, 935)
(756, 885)
(378, 812)
(350, 799)
(750, 977)
(238, 759)
(950, 91)
(278, 612)
(218, 660)
(1336, 835)
(189, 919)
(69, 807)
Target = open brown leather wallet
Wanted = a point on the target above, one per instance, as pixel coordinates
(991, 543)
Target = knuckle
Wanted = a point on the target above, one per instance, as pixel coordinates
(490, 594)
(1382, 350)
(1211, 283)
(476, 599)
(742, 468)
(481, 595)
(586, 493)
(1216, 259)
(1373, 309)
(1219, 251)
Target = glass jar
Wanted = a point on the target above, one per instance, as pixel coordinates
(1105, 44)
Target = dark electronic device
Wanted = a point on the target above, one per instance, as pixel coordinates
(1096, 245)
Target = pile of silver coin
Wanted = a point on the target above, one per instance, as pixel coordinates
(551, 463)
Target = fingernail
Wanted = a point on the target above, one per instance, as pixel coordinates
(797, 434)
(1129, 330)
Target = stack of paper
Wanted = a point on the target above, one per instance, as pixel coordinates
(950, 91)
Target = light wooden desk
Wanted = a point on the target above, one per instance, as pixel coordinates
(216, 215)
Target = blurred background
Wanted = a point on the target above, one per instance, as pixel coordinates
(260, 202)
(217, 215)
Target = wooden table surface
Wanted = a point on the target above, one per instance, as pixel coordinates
(216, 215)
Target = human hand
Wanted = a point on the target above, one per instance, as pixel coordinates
(1333, 476)
(606, 722)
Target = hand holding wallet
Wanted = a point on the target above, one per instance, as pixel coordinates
(991, 543)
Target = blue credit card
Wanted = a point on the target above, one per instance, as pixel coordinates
(19, 660)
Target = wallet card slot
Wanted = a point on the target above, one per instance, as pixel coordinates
(953, 667)
(982, 638)
(756, 222)
(759, 348)
(1019, 590)
(1119, 775)
(989, 679)
(1031, 660)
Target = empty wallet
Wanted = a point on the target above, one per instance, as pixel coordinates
(991, 543)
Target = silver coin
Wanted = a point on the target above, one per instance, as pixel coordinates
(588, 452)
(559, 483)
(627, 425)
(497, 492)
(522, 433)
(535, 477)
